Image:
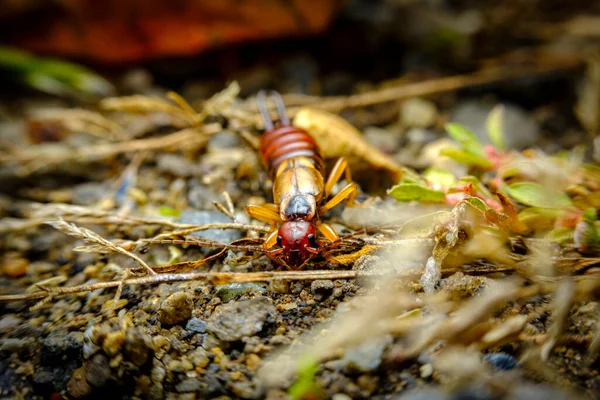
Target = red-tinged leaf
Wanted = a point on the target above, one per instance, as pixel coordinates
(511, 212)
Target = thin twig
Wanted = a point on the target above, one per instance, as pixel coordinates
(220, 278)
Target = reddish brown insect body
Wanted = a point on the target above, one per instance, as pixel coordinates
(299, 192)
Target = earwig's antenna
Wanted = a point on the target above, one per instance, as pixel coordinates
(261, 102)
(280, 107)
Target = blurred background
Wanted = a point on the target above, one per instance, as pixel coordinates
(320, 47)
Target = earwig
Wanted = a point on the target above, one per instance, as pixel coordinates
(300, 193)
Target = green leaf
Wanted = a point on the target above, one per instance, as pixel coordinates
(495, 127)
(539, 218)
(305, 385)
(440, 177)
(470, 159)
(533, 194)
(414, 192)
(467, 139)
(477, 203)
(167, 211)
(589, 215)
(560, 235)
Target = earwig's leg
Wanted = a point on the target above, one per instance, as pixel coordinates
(328, 232)
(270, 240)
(335, 175)
(274, 256)
(273, 207)
(265, 213)
(349, 193)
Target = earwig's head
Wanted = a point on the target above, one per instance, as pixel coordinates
(296, 238)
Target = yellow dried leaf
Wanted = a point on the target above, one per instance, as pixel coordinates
(338, 138)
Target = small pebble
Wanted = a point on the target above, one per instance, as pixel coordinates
(13, 345)
(137, 347)
(230, 291)
(188, 385)
(321, 288)
(113, 342)
(8, 323)
(97, 371)
(77, 386)
(15, 267)
(199, 358)
(341, 396)
(426, 371)
(196, 325)
(500, 361)
(176, 308)
(418, 113)
(253, 362)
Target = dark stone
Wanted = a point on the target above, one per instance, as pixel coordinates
(212, 387)
(500, 361)
(61, 346)
(54, 378)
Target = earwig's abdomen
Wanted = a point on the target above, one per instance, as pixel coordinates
(283, 143)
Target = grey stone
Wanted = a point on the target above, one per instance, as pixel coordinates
(233, 321)
(201, 197)
(223, 140)
(88, 193)
(207, 217)
(196, 325)
(188, 385)
(366, 356)
(520, 130)
(230, 291)
(8, 323)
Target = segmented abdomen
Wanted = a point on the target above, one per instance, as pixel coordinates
(286, 142)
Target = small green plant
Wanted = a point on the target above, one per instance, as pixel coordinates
(305, 387)
(52, 76)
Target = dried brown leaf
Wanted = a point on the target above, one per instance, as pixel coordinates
(338, 138)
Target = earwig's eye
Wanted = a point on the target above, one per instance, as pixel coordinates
(279, 239)
(312, 240)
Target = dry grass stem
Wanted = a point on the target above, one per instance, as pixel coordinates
(93, 238)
